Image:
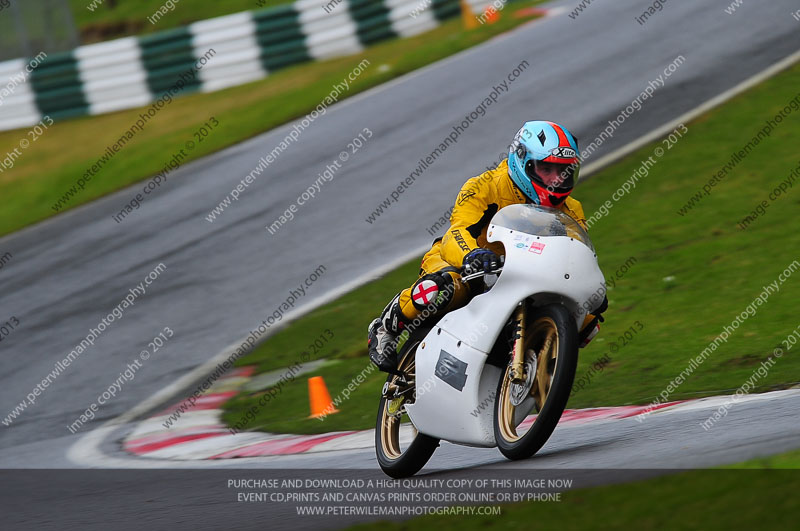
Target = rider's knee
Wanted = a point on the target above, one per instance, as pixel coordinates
(431, 296)
(433, 292)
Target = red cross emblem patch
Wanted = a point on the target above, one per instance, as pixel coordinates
(425, 292)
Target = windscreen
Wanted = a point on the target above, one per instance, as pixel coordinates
(541, 221)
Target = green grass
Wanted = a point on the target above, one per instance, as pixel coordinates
(715, 499)
(718, 270)
(347, 319)
(55, 161)
(290, 413)
(119, 18)
(785, 460)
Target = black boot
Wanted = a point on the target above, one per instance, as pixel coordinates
(382, 348)
(382, 337)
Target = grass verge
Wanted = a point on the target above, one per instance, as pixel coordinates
(780, 461)
(692, 276)
(111, 19)
(711, 499)
(52, 164)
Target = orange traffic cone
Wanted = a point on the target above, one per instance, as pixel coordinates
(467, 16)
(320, 398)
(492, 15)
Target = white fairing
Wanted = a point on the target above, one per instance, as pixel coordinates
(457, 402)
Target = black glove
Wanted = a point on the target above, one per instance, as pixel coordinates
(481, 260)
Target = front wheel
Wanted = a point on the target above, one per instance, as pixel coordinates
(551, 357)
(401, 450)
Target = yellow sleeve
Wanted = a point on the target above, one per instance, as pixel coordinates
(466, 222)
(574, 208)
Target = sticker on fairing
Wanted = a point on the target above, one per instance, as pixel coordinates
(536, 247)
(451, 370)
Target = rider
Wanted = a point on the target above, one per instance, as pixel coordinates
(541, 168)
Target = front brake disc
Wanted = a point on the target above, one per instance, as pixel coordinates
(519, 391)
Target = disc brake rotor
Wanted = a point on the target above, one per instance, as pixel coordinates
(519, 391)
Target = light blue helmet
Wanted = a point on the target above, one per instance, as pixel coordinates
(540, 141)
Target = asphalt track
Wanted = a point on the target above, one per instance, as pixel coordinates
(224, 278)
(590, 454)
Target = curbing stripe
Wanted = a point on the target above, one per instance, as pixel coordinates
(203, 435)
(206, 401)
(289, 446)
(144, 448)
(207, 419)
(218, 443)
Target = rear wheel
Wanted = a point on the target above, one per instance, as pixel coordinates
(401, 450)
(551, 356)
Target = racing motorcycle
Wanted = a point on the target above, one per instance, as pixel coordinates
(498, 371)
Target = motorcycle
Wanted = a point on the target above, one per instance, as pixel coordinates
(498, 371)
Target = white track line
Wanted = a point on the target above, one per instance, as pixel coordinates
(692, 114)
(86, 451)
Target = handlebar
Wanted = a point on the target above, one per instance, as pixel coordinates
(468, 274)
(478, 274)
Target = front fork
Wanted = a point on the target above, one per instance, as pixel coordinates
(517, 372)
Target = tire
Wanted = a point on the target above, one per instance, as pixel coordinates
(549, 391)
(395, 461)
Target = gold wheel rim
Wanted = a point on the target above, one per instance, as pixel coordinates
(541, 334)
(390, 424)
